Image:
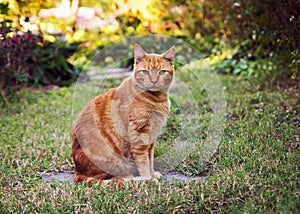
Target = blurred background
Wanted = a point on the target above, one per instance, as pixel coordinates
(45, 42)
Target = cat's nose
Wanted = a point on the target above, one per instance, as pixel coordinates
(154, 81)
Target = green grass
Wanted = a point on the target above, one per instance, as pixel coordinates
(256, 168)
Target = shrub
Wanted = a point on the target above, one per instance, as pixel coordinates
(268, 31)
(27, 60)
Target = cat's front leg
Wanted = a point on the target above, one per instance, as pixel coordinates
(154, 174)
(140, 153)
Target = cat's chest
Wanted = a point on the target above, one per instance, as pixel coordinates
(159, 109)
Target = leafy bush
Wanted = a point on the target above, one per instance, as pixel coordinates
(268, 30)
(259, 68)
(27, 60)
(249, 60)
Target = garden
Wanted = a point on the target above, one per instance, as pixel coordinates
(237, 83)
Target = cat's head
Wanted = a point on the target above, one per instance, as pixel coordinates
(153, 72)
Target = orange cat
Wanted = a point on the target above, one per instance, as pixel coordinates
(114, 134)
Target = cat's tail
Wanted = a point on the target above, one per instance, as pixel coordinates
(79, 178)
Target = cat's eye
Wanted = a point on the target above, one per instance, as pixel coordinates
(146, 72)
(162, 72)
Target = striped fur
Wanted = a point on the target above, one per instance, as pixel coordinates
(113, 136)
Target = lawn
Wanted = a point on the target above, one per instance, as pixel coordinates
(256, 167)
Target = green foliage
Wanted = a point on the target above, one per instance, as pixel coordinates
(4, 8)
(271, 29)
(267, 31)
(260, 69)
(26, 60)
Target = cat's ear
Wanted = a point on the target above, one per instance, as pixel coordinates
(169, 55)
(139, 53)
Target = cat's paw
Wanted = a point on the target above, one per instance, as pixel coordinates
(156, 175)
